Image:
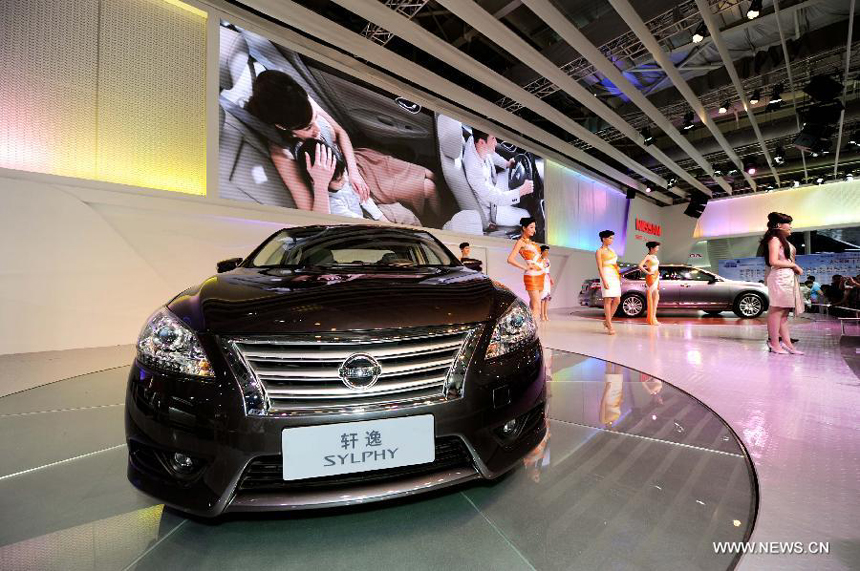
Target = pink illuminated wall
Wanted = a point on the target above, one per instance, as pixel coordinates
(829, 205)
(578, 208)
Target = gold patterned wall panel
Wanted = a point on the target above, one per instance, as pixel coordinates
(110, 90)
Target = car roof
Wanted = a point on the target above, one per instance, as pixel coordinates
(337, 228)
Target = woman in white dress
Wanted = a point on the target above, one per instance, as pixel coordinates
(610, 278)
(548, 283)
(781, 279)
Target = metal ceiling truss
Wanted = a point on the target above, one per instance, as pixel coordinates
(665, 28)
(409, 8)
(570, 34)
(398, 74)
(445, 52)
(501, 35)
(802, 70)
(844, 87)
(626, 11)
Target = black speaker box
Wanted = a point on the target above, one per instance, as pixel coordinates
(631, 193)
(698, 201)
(823, 88)
(824, 113)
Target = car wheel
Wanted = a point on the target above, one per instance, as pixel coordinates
(631, 306)
(714, 313)
(749, 305)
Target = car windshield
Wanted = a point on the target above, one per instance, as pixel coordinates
(358, 247)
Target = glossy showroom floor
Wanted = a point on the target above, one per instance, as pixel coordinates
(635, 474)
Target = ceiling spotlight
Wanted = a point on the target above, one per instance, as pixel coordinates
(647, 138)
(671, 182)
(756, 97)
(750, 167)
(688, 121)
(849, 177)
(725, 107)
(819, 180)
(779, 156)
(648, 189)
(732, 171)
(700, 33)
(754, 10)
(795, 183)
(776, 96)
(855, 138)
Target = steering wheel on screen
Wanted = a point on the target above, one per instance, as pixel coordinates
(520, 172)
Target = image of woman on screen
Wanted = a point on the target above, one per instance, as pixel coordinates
(278, 100)
(323, 170)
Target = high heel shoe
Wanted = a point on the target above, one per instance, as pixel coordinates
(772, 350)
(791, 350)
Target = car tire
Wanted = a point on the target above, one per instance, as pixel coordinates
(713, 313)
(631, 305)
(749, 305)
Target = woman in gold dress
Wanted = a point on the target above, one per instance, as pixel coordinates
(650, 266)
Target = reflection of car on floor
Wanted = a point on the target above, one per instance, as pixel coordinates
(335, 365)
(682, 287)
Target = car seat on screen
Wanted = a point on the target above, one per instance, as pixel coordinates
(245, 171)
(452, 143)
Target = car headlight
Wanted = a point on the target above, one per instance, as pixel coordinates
(515, 328)
(167, 343)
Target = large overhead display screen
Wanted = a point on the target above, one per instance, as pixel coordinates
(298, 134)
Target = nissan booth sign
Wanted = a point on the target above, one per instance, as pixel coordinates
(647, 228)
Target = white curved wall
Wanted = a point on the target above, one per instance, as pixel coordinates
(85, 263)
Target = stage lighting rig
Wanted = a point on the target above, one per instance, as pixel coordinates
(700, 33)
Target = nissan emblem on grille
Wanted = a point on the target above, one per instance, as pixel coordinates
(360, 371)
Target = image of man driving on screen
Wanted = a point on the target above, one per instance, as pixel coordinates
(481, 162)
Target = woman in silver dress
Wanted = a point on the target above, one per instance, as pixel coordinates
(781, 280)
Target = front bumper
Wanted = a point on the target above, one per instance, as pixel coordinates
(206, 421)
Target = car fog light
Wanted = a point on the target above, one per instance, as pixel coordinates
(509, 427)
(182, 463)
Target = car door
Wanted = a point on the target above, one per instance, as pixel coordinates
(700, 289)
(670, 286)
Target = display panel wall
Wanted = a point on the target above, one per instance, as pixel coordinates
(579, 208)
(107, 90)
(419, 167)
(825, 206)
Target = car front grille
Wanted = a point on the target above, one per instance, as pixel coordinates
(265, 474)
(302, 373)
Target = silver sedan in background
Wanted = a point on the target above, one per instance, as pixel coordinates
(683, 287)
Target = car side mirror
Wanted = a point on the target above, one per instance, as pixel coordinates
(713, 280)
(227, 265)
(473, 264)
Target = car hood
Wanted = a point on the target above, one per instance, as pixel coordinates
(276, 300)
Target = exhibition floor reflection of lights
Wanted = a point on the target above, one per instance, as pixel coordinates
(634, 474)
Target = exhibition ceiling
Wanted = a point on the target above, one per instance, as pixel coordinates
(690, 99)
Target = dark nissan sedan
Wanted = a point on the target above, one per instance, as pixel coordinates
(335, 365)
